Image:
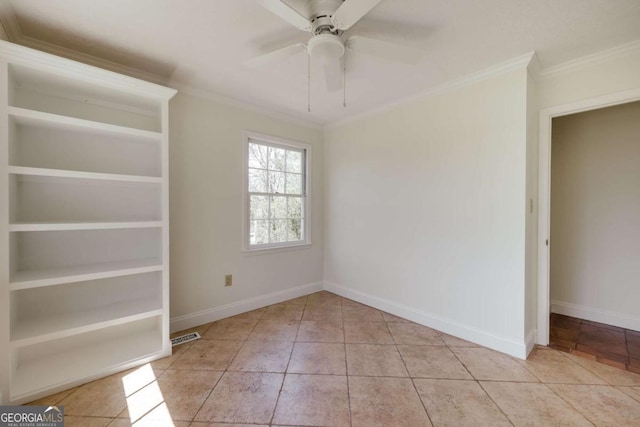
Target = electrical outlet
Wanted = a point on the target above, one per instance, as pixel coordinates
(228, 280)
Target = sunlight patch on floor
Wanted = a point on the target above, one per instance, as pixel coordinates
(145, 402)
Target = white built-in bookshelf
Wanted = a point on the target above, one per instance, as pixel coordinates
(84, 280)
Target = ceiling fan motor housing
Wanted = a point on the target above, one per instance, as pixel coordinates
(325, 48)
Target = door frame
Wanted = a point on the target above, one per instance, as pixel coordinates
(544, 191)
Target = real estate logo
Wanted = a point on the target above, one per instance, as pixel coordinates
(31, 416)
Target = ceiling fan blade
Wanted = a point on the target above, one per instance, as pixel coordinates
(333, 75)
(351, 12)
(287, 13)
(385, 50)
(275, 56)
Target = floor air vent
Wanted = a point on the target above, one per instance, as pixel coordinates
(185, 338)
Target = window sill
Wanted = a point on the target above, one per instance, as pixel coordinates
(267, 251)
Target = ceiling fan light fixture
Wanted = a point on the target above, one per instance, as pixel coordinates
(326, 48)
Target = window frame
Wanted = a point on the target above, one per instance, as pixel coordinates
(247, 248)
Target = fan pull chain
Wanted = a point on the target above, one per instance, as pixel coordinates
(344, 81)
(308, 83)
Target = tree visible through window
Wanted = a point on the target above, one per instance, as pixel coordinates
(276, 189)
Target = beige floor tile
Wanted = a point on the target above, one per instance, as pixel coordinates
(52, 399)
(375, 360)
(602, 405)
(275, 330)
(296, 301)
(385, 402)
(284, 312)
(367, 333)
(529, 404)
(323, 314)
(183, 392)
(101, 398)
(313, 400)
(553, 367)
(200, 424)
(485, 364)
(361, 314)
(412, 334)
(262, 356)
(242, 397)
(611, 375)
(318, 358)
(452, 341)
(160, 416)
(315, 331)
(458, 403)
(230, 329)
(432, 362)
(346, 302)
(202, 329)
(393, 319)
(322, 305)
(634, 392)
(250, 315)
(324, 298)
(176, 352)
(215, 355)
(75, 421)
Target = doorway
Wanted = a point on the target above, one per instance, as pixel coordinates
(547, 117)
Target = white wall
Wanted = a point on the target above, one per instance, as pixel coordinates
(595, 225)
(424, 209)
(3, 33)
(206, 211)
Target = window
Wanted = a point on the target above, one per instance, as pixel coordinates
(276, 191)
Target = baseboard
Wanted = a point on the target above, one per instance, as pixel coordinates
(448, 326)
(531, 340)
(211, 315)
(596, 315)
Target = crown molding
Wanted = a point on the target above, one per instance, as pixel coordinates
(520, 62)
(91, 60)
(268, 111)
(534, 66)
(26, 56)
(591, 60)
(11, 25)
(14, 32)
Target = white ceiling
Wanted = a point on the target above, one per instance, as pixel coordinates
(203, 43)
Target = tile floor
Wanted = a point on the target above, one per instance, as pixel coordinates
(605, 343)
(323, 360)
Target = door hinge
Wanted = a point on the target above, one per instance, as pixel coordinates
(547, 242)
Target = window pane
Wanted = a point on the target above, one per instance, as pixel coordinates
(276, 159)
(276, 182)
(295, 229)
(278, 207)
(259, 232)
(257, 156)
(294, 161)
(295, 207)
(276, 199)
(257, 181)
(294, 183)
(278, 230)
(259, 207)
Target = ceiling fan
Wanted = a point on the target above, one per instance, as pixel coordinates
(327, 22)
